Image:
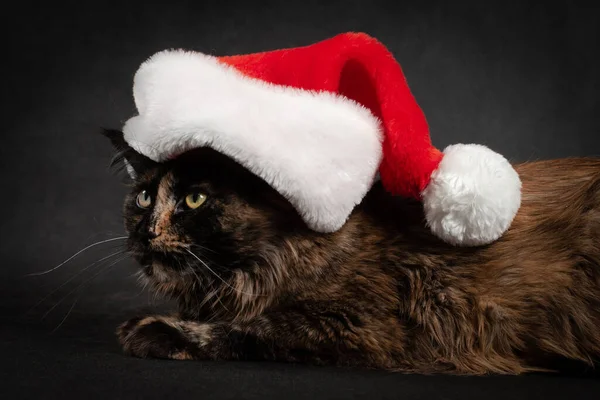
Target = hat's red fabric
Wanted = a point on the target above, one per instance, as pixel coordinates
(359, 67)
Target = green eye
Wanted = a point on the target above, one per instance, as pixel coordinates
(143, 200)
(195, 200)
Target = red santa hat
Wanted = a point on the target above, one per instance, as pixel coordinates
(317, 123)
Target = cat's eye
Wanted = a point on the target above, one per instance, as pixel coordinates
(195, 200)
(143, 199)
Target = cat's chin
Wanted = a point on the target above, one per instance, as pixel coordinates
(159, 273)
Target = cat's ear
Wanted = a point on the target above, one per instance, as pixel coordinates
(126, 157)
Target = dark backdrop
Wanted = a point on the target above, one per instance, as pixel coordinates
(520, 77)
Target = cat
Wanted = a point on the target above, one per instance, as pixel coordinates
(252, 282)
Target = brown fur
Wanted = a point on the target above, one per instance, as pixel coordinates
(382, 292)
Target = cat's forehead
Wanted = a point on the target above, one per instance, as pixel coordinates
(166, 178)
(204, 168)
(174, 175)
(152, 176)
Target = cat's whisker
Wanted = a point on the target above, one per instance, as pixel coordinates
(77, 299)
(198, 279)
(75, 255)
(217, 297)
(217, 300)
(219, 277)
(73, 277)
(201, 252)
(216, 315)
(204, 248)
(107, 233)
(66, 316)
(212, 293)
(83, 285)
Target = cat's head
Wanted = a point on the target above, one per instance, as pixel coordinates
(201, 213)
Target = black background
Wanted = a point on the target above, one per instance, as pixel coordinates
(521, 77)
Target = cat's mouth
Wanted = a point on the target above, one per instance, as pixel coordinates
(160, 273)
(166, 258)
(159, 265)
(162, 266)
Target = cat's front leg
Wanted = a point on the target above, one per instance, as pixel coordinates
(331, 336)
(171, 337)
(163, 337)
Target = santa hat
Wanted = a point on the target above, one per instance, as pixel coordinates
(317, 123)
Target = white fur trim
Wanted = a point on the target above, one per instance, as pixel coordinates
(473, 196)
(319, 150)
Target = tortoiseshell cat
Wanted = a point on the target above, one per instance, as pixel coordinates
(254, 283)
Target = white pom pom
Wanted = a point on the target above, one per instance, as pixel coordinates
(472, 197)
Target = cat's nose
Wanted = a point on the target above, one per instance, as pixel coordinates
(152, 234)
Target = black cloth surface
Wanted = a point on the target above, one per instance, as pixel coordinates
(82, 360)
(520, 77)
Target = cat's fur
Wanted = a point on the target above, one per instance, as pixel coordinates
(381, 293)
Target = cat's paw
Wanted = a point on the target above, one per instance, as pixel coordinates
(156, 337)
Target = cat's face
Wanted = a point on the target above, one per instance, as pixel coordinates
(199, 214)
